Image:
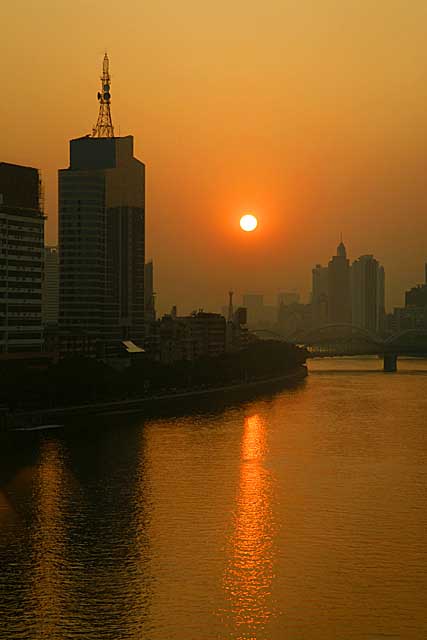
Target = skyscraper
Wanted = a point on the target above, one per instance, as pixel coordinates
(102, 234)
(339, 303)
(21, 259)
(254, 303)
(367, 293)
(319, 295)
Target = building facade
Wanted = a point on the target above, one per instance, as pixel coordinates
(339, 302)
(319, 295)
(368, 293)
(21, 260)
(50, 288)
(102, 242)
(173, 338)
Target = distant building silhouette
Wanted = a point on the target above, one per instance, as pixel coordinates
(413, 315)
(21, 259)
(287, 297)
(368, 293)
(294, 318)
(319, 295)
(50, 289)
(339, 303)
(417, 296)
(254, 303)
(259, 315)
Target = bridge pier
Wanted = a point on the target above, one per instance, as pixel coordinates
(390, 362)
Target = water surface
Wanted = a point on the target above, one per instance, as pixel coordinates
(298, 516)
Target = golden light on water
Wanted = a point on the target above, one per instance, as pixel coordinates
(249, 575)
(248, 222)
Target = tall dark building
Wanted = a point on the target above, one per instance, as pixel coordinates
(101, 240)
(21, 259)
(319, 295)
(102, 235)
(368, 293)
(339, 302)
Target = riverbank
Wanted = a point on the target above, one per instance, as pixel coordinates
(151, 405)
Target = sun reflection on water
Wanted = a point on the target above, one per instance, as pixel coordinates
(48, 544)
(249, 574)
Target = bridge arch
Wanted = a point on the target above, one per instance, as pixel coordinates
(416, 333)
(317, 334)
(273, 335)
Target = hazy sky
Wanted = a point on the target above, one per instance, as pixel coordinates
(312, 115)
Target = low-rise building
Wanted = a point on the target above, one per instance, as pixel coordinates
(173, 338)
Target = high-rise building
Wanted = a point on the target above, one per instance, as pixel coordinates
(319, 295)
(287, 297)
(367, 293)
(102, 234)
(50, 288)
(21, 259)
(254, 303)
(339, 303)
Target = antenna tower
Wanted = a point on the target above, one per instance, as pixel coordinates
(104, 127)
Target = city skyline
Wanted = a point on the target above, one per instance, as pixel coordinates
(316, 126)
(213, 320)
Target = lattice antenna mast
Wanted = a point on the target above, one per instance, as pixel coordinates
(104, 127)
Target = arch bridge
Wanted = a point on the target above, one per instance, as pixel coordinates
(350, 340)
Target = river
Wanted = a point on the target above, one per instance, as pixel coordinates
(299, 516)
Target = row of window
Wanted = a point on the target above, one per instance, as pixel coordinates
(21, 295)
(20, 285)
(18, 252)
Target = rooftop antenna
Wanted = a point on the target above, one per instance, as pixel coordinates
(104, 127)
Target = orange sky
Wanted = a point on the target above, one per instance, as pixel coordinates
(311, 114)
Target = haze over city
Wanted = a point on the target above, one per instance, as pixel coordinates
(310, 115)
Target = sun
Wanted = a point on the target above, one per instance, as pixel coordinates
(248, 222)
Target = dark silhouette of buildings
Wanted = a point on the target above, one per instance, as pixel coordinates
(339, 302)
(101, 240)
(414, 314)
(319, 295)
(368, 294)
(295, 318)
(174, 338)
(21, 259)
(417, 296)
